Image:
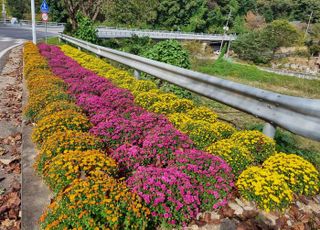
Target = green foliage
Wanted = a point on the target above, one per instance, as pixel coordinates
(259, 46)
(171, 52)
(280, 33)
(86, 30)
(252, 46)
(58, 13)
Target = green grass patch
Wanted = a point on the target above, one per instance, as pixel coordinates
(251, 75)
(52, 41)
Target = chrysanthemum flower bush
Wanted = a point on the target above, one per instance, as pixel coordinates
(168, 192)
(59, 121)
(96, 202)
(211, 174)
(301, 176)
(66, 167)
(268, 189)
(258, 144)
(236, 154)
(62, 141)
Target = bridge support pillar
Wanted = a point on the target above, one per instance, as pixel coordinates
(269, 130)
(137, 74)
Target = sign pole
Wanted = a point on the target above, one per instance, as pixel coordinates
(46, 33)
(33, 17)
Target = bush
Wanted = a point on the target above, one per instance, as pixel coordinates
(172, 198)
(86, 30)
(66, 167)
(268, 189)
(57, 106)
(301, 176)
(210, 174)
(59, 121)
(37, 102)
(203, 133)
(203, 114)
(260, 146)
(174, 106)
(164, 141)
(236, 155)
(63, 141)
(96, 202)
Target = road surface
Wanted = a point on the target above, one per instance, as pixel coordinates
(10, 36)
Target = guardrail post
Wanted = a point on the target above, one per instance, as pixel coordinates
(137, 74)
(79, 48)
(269, 130)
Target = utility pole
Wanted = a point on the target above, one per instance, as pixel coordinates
(225, 29)
(33, 17)
(4, 13)
(307, 30)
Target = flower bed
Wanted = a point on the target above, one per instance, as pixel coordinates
(128, 130)
(144, 144)
(72, 161)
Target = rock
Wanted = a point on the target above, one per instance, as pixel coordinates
(228, 224)
(237, 208)
(193, 227)
(249, 214)
(226, 211)
(268, 218)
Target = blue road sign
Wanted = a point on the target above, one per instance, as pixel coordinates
(44, 8)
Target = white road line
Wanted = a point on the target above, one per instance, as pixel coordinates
(2, 53)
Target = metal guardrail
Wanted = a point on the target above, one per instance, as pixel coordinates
(28, 23)
(109, 32)
(298, 115)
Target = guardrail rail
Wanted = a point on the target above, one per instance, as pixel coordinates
(110, 32)
(298, 115)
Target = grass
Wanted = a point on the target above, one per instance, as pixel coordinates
(52, 41)
(251, 75)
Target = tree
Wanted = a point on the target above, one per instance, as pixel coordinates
(303, 9)
(280, 33)
(18, 8)
(136, 13)
(85, 30)
(254, 21)
(275, 9)
(252, 46)
(89, 8)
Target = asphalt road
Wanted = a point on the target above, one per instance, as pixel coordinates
(10, 36)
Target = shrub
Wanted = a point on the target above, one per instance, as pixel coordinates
(203, 133)
(66, 167)
(169, 194)
(203, 114)
(174, 106)
(86, 30)
(57, 106)
(97, 202)
(59, 121)
(260, 146)
(301, 176)
(147, 99)
(237, 156)
(36, 103)
(179, 119)
(210, 174)
(130, 157)
(63, 141)
(268, 189)
(164, 141)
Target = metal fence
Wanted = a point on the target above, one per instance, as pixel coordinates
(298, 115)
(110, 32)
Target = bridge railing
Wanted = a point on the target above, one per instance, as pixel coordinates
(298, 115)
(106, 32)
